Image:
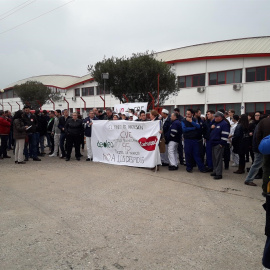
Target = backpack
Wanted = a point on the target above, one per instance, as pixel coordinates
(264, 146)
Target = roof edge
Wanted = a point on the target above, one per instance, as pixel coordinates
(219, 57)
(211, 42)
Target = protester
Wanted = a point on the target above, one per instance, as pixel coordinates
(263, 131)
(218, 138)
(166, 123)
(50, 136)
(115, 117)
(101, 115)
(19, 134)
(56, 133)
(30, 149)
(5, 124)
(257, 164)
(10, 143)
(240, 142)
(42, 131)
(142, 116)
(109, 114)
(173, 137)
(62, 122)
(74, 130)
(88, 122)
(46, 116)
(180, 145)
(192, 133)
(209, 123)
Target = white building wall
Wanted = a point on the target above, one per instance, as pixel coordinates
(218, 94)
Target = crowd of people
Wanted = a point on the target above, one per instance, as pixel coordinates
(208, 141)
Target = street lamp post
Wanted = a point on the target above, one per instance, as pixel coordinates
(105, 76)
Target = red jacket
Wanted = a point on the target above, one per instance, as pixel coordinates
(4, 126)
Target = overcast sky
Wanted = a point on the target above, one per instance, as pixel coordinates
(82, 32)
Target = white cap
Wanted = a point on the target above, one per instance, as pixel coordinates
(165, 111)
(127, 114)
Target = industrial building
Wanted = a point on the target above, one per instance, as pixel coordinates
(230, 74)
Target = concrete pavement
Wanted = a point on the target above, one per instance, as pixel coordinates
(84, 215)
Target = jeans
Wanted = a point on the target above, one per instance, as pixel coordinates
(266, 254)
(257, 164)
(3, 147)
(192, 153)
(32, 143)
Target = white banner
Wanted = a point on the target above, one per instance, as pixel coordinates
(120, 108)
(128, 143)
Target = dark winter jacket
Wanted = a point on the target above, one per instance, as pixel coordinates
(74, 128)
(240, 140)
(220, 133)
(191, 130)
(62, 123)
(263, 129)
(30, 120)
(174, 134)
(42, 125)
(19, 131)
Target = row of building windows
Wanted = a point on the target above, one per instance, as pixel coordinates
(90, 91)
(225, 77)
(262, 107)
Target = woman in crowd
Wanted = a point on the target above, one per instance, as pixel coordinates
(74, 130)
(19, 134)
(115, 117)
(240, 142)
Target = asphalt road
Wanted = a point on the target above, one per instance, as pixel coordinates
(84, 215)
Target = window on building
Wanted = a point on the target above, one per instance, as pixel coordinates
(225, 77)
(221, 77)
(262, 107)
(100, 90)
(191, 80)
(258, 74)
(77, 92)
(88, 91)
(268, 73)
(213, 78)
